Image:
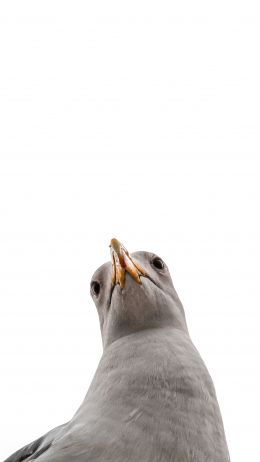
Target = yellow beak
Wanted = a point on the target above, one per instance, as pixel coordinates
(122, 262)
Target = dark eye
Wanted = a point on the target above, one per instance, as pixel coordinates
(95, 288)
(158, 263)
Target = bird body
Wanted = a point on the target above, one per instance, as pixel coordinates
(151, 398)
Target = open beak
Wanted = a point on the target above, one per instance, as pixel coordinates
(122, 262)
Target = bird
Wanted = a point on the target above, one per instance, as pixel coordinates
(152, 398)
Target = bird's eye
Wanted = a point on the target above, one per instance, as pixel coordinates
(95, 288)
(158, 263)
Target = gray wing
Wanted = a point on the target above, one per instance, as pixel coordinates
(33, 450)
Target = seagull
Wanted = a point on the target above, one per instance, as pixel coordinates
(152, 398)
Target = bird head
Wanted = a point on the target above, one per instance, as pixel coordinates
(133, 293)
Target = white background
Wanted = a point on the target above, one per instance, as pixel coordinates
(138, 120)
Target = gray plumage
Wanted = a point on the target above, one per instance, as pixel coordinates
(152, 398)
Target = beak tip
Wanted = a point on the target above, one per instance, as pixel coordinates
(113, 242)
